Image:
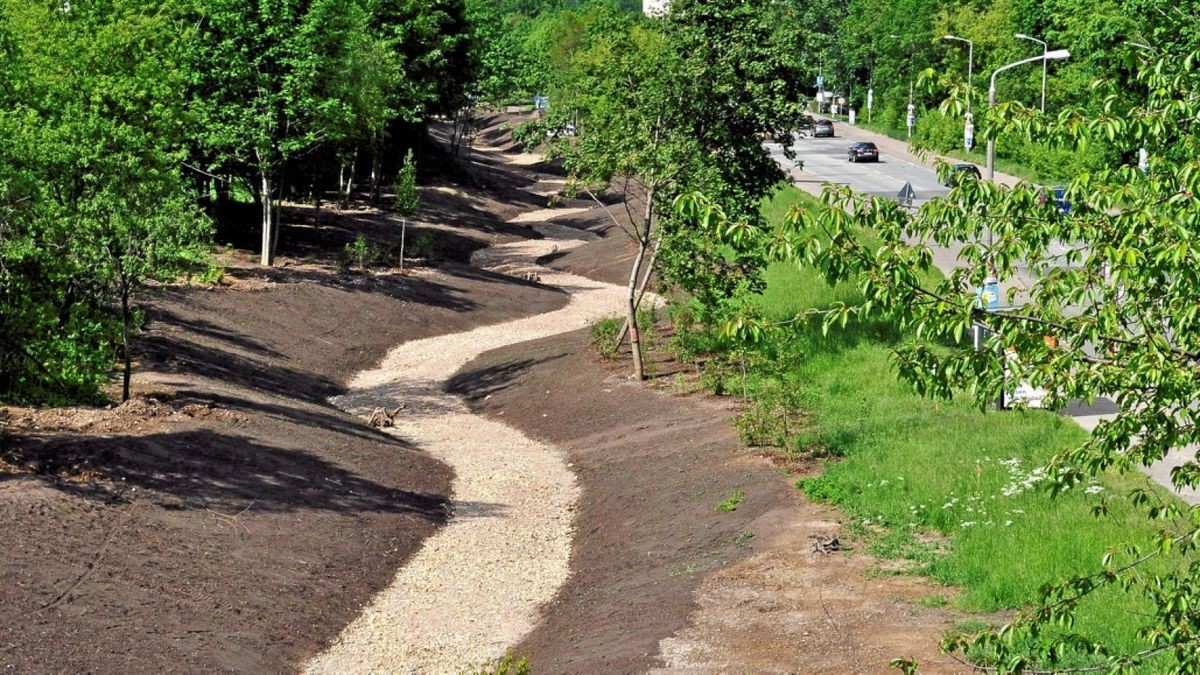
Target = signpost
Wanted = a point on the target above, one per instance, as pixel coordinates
(906, 195)
(912, 118)
(969, 133)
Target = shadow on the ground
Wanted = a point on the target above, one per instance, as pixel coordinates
(476, 385)
(302, 415)
(182, 357)
(204, 469)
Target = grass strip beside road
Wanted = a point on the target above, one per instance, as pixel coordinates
(958, 492)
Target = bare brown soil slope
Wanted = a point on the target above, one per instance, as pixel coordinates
(229, 518)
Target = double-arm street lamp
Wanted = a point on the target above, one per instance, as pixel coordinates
(1045, 50)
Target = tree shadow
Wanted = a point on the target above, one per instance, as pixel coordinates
(305, 416)
(476, 385)
(180, 357)
(202, 469)
(196, 326)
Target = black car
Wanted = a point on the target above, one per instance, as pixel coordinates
(864, 151)
(823, 128)
(961, 172)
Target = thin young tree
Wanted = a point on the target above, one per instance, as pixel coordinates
(408, 198)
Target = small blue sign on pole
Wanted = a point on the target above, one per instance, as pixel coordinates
(989, 295)
(541, 102)
(820, 81)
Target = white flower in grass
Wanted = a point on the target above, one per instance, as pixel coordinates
(1093, 489)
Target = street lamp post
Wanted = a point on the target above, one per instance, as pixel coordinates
(911, 119)
(969, 127)
(1056, 55)
(1045, 49)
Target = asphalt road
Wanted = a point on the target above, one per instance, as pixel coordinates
(826, 159)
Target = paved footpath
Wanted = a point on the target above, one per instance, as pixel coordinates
(824, 162)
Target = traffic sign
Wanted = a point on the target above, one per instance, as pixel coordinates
(820, 81)
(907, 194)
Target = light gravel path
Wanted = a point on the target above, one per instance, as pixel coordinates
(475, 588)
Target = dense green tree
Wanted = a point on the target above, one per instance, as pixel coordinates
(96, 204)
(271, 86)
(660, 107)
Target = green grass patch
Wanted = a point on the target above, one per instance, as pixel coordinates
(732, 502)
(957, 491)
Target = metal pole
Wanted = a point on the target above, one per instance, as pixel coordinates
(991, 176)
(1045, 66)
(1045, 62)
(991, 146)
(970, 72)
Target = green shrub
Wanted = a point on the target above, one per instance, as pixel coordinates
(604, 337)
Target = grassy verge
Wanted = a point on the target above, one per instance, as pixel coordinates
(956, 491)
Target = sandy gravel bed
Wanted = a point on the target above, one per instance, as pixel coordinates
(475, 587)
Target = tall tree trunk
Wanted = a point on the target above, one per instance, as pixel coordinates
(128, 360)
(641, 291)
(349, 186)
(275, 222)
(268, 221)
(403, 236)
(376, 166)
(631, 299)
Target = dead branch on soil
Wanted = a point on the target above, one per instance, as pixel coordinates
(231, 520)
(822, 544)
(382, 418)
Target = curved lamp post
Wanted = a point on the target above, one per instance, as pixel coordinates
(1056, 55)
(912, 109)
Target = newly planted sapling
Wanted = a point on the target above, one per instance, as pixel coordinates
(408, 198)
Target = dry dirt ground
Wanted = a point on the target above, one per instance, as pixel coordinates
(231, 518)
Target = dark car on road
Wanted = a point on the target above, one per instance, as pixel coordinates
(823, 128)
(961, 172)
(864, 151)
(1058, 195)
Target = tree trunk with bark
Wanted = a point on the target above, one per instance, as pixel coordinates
(268, 220)
(126, 358)
(376, 167)
(348, 186)
(631, 297)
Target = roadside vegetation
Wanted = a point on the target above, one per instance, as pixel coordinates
(1106, 318)
(960, 493)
